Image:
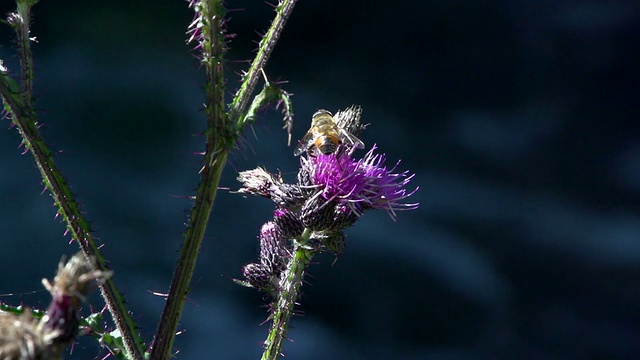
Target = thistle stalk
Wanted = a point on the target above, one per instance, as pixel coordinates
(20, 21)
(18, 105)
(26, 122)
(241, 99)
(290, 291)
(208, 28)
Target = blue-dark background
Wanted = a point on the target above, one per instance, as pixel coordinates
(519, 118)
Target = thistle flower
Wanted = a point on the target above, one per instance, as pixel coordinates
(359, 184)
(331, 193)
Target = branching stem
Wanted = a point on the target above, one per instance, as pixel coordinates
(241, 99)
(220, 140)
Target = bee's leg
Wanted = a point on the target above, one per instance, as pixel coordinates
(342, 149)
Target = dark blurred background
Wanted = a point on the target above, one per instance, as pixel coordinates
(519, 118)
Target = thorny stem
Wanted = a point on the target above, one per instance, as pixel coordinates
(268, 42)
(200, 213)
(287, 295)
(221, 136)
(220, 140)
(25, 119)
(23, 29)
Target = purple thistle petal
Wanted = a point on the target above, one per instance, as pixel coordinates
(361, 184)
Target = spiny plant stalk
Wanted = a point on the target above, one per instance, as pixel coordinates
(18, 105)
(290, 292)
(20, 21)
(223, 129)
(208, 28)
(268, 42)
(26, 121)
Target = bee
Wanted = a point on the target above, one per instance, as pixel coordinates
(325, 136)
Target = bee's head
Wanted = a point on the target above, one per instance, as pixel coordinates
(322, 117)
(321, 112)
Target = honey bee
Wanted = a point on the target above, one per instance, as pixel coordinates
(325, 136)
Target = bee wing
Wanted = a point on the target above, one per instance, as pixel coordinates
(351, 139)
(304, 143)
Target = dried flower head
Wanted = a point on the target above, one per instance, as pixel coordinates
(25, 337)
(76, 277)
(260, 182)
(349, 119)
(73, 282)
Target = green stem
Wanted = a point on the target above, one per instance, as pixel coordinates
(268, 42)
(19, 310)
(200, 213)
(23, 29)
(26, 121)
(289, 292)
(220, 140)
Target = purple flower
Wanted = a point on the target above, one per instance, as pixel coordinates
(330, 194)
(360, 184)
